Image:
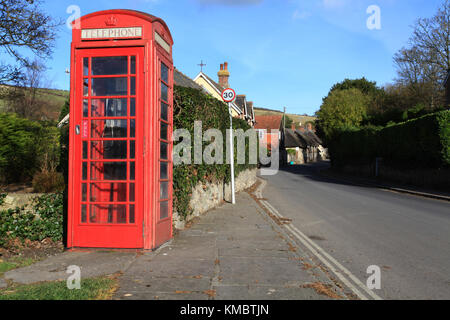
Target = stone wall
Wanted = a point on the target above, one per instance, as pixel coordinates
(207, 196)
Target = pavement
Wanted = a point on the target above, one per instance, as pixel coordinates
(357, 226)
(235, 252)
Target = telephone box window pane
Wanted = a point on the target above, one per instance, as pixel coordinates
(133, 86)
(83, 213)
(109, 107)
(132, 171)
(85, 87)
(109, 129)
(108, 192)
(132, 149)
(164, 147)
(164, 192)
(85, 150)
(133, 65)
(85, 169)
(164, 210)
(132, 107)
(109, 171)
(109, 87)
(132, 192)
(84, 192)
(164, 73)
(132, 128)
(108, 66)
(164, 130)
(164, 110)
(85, 108)
(164, 92)
(164, 171)
(114, 214)
(85, 66)
(107, 150)
(132, 214)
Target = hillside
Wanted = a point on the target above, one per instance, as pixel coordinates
(54, 98)
(295, 117)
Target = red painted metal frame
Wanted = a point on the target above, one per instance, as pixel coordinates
(154, 232)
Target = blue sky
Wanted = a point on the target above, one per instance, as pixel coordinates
(281, 53)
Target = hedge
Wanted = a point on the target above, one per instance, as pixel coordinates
(418, 143)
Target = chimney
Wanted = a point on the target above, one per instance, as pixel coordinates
(224, 75)
(293, 126)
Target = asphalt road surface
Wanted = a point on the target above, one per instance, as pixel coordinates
(407, 236)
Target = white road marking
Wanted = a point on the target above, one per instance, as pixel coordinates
(338, 269)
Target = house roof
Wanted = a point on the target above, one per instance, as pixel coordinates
(268, 122)
(250, 110)
(219, 89)
(182, 80)
(293, 140)
(310, 138)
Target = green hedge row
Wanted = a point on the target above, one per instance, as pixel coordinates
(421, 143)
(192, 105)
(23, 144)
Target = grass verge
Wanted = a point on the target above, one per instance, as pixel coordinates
(91, 289)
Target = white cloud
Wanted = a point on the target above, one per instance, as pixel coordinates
(300, 15)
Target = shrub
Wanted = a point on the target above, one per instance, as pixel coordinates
(2, 198)
(40, 220)
(420, 143)
(48, 181)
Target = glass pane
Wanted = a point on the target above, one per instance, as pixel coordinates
(164, 92)
(109, 107)
(132, 149)
(108, 171)
(83, 213)
(164, 109)
(164, 171)
(108, 192)
(85, 150)
(164, 147)
(133, 86)
(133, 65)
(109, 129)
(132, 128)
(85, 66)
(109, 87)
(85, 108)
(84, 192)
(164, 129)
(164, 192)
(164, 73)
(101, 150)
(106, 66)
(108, 214)
(132, 214)
(85, 169)
(164, 210)
(132, 192)
(132, 107)
(132, 171)
(85, 87)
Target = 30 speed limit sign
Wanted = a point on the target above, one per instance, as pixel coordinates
(229, 95)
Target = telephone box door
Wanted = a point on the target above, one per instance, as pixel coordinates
(108, 154)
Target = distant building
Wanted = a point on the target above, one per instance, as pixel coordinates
(264, 126)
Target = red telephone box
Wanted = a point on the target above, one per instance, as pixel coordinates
(120, 164)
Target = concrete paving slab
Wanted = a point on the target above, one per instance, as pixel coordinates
(92, 264)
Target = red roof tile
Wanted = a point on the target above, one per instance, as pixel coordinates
(268, 122)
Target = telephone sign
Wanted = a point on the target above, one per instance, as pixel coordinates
(229, 95)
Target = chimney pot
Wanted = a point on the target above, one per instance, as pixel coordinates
(221, 66)
(226, 65)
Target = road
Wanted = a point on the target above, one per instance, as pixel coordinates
(407, 236)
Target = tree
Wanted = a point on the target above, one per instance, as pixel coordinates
(288, 122)
(423, 66)
(342, 109)
(24, 25)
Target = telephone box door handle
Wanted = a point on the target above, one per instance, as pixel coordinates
(77, 129)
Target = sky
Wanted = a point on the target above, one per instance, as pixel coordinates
(281, 53)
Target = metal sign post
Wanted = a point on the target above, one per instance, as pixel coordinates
(228, 95)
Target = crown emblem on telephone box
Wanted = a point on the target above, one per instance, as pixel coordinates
(111, 21)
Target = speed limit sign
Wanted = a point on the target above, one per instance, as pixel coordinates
(229, 95)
